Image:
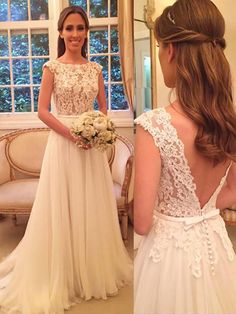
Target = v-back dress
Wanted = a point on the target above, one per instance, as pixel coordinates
(72, 248)
(186, 264)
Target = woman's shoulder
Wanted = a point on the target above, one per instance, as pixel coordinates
(184, 125)
(156, 123)
(52, 65)
(98, 67)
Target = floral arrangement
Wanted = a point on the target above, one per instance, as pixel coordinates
(94, 129)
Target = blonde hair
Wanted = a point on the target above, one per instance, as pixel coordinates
(203, 79)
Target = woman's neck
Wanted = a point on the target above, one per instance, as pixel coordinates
(175, 105)
(72, 58)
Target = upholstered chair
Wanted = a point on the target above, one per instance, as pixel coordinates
(123, 178)
(229, 215)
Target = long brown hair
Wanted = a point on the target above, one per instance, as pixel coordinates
(203, 80)
(64, 14)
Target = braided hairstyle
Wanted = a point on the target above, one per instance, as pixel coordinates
(203, 80)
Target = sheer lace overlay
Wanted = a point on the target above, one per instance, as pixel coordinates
(75, 86)
(179, 220)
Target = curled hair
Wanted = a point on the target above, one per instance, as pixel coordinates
(74, 9)
(203, 79)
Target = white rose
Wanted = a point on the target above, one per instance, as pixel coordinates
(110, 124)
(113, 137)
(100, 123)
(100, 145)
(105, 136)
(95, 114)
(88, 131)
(88, 120)
(77, 127)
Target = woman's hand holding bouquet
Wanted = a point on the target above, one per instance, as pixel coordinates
(93, 129)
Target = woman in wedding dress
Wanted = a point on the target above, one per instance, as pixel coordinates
(72, 248)
(185, 263)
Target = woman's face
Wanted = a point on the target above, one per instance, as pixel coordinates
(166, 57)
(74, 32)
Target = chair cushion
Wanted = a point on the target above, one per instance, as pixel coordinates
(4, 165)
(18, 194)
(120, 200)
(122, 154)
(27, 149)
(229, 215)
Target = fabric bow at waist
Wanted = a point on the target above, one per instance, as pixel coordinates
(190, 221)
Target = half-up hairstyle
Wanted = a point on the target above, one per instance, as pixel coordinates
(74, 9)
(203, 80)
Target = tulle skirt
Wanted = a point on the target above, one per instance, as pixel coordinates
(72, 248)
(181, 270)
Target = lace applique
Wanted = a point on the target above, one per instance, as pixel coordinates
(176, 193)
(173, 234)
(196, 242)
(75, 86)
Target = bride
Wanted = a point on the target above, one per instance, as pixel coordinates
(72, 247)
(186, 263)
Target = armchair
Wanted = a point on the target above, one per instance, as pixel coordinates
(229, 215)
(123, 176)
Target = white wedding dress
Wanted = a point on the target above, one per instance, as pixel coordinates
(72, 248)
(186, 264)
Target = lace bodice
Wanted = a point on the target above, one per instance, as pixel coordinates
(176, 195)
(75, 86)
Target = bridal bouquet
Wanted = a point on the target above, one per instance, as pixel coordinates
(94, 129)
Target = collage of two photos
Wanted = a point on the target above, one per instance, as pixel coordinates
(117, 157)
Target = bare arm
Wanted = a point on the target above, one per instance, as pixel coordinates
(227, 196)
(147, 176)
(44, 101)
(101, 97)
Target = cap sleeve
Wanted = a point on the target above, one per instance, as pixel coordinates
(149, 121)
(51, 65)
(144, 120)
(98, 67)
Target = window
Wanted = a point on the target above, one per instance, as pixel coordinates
(24, 47)
(28, 38)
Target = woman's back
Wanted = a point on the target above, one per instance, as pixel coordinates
(206, 176)
(187, 241)
(189, 182)
(185, 171)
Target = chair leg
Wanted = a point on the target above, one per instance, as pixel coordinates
(124, 226)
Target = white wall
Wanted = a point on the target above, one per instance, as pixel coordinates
(228, 9)
(140, 29)
(142, 50)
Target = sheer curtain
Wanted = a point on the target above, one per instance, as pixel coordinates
(126, 44)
